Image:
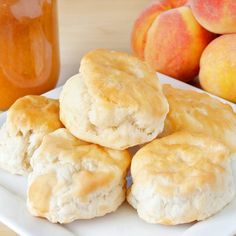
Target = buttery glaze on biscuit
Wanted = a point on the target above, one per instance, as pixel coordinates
(36, 113)
(43, 184)
(28, 120)
(87, 182)
(116, 101)
(181, 178)
(198, 112)
(73, 179)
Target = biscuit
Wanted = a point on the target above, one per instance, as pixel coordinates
(198, 112)
(181, 178)
(116, 101)
(28, 120)
(73, 179)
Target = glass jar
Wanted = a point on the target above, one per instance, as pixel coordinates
(29, 52)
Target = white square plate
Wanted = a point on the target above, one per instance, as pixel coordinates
(123, 222)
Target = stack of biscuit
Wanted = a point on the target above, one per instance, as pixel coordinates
(76, 151)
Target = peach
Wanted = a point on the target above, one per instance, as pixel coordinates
(217, 16)
(145, 20)
(218, 67)
(175, 42)
(177, 3)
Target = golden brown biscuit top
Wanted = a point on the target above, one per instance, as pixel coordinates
(36, 113)
(63, 161)
(60, 146)
(119, 79)
(198, 112)
(180, 163)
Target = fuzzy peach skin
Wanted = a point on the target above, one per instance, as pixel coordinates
(217, 16)
(218, 67)
(175, 43)
(145, 20)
